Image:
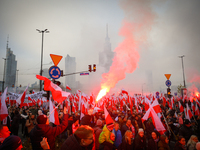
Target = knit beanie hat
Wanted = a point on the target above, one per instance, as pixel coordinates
(140, 130)
(42, 119)
(11, 143)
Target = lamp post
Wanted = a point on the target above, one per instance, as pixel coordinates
(183, 70)
(42, 31)
(142, 88)
(4, 74)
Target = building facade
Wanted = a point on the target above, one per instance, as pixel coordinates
(106, 56)
(70, 67)
(10, 68)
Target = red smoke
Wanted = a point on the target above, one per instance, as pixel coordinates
(194, 78)
(137, 23)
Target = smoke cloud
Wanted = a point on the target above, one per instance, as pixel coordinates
(136, 25)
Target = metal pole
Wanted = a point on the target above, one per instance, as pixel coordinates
(183, 70)
(4, 74)
(42, 31)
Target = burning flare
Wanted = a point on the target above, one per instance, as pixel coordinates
(102, 93)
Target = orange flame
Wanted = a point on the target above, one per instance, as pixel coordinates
(197, 94)
(102, 93)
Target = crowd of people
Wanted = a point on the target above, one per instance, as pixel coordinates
(127, 131)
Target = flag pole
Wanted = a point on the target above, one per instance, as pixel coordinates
(166, 123)
(54, 109)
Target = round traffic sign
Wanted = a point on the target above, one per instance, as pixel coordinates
(54, 72)
(168, 83)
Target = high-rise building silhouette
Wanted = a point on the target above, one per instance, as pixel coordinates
(70, 67)
(106, 56)
(10, 68)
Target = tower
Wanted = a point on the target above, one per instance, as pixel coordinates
(10, 67)
(106, 56)
(70, 67)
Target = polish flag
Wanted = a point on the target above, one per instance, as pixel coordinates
(197, 110)
(20, 99)
(189, 113)
(54, 114)
(96, 109)
(164, 101)
(156, 106)
(156, 120)
(3, 107)
(57, 93)
(67, 87)
(180, 107)
(147, 102)
(124, 91)
(108, 118)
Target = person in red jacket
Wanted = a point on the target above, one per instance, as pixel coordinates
(42, 130)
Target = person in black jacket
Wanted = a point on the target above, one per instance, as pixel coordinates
(153, 142)
(127, 141)
(186, 130)
(82, 139)
(15, 123)
(42, 130)
(180, 144)
(140, 140)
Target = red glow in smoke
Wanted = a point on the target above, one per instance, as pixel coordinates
(137, 24)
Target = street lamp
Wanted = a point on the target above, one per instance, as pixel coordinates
(42, 31)
(142, 88)
(183, 70)
(4, 74)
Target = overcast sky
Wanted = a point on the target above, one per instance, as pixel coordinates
(78, 28)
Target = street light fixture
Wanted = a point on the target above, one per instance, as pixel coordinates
(42, 31)
(142, 88)
(183, 70)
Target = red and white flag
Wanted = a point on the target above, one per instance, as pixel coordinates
(197, 110)
(108, 119)
(20, 99)
(156, 120)
(180, 107)
(54, 114)
(57, 93)
(156, 106)
(67, 87)
(124, 91)
(3, 108)
(188, 112)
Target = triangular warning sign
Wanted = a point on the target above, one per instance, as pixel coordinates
(56, 59)
(167, 76)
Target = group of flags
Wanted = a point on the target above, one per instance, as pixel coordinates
(87, 104)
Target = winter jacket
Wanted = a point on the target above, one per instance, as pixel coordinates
(97, 132)
(125, 146)
(152, 144)
(105, 135)
(186, 132)
(125, 128)
(140, 143)
(44, 130)
(163, 146)
(118, 138)
(106, 146)
(71, 143)
(179, 146)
